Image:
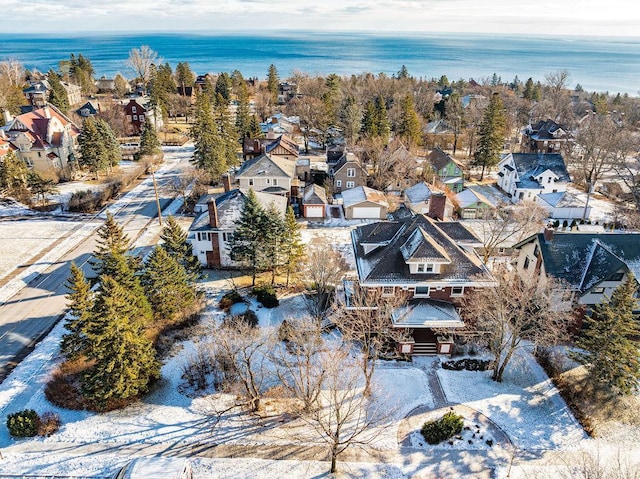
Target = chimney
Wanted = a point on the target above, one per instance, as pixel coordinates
(213, 213)
(226, 182)
(437, 206)
(46, 111)
(271, 135)
(6, 114)
(548, 234)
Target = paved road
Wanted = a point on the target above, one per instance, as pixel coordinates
(31, 313)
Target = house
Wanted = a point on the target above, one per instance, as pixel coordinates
(364, 203)
(274, 145)
(401, 168)
(314, 202)
(210, 233)
(449, 171)
(438, 133)
(135, 111)
(44, 138)
(269, 174)
(564, 205)
(105, 85)
(347, 173)
(523, 176)
(593, 265)
(90, 108)
(423, 199)
(37, 93)
(74, 92)
(472, 203)
(431, 262)
(286, 92)
(546, 136)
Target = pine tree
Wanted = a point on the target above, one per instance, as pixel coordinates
(223, 87)
(409, 128)
(110, 142)
(112, 242)
(93, 151)
(273, 82)
(57, 95)
(227, 134)
(247, 241)
(608, 341)
(184, 75)
(176, 244)
(492, 132)
(369, 123)
(527, 94)
(254, 128)
(209, 153)
(124, 363)
(167, 285)
(273, 229)
(149, 143)
(74, 343)
(243, 115)
(292, 246)
(13, 174)
(382, 120)
(162, 87)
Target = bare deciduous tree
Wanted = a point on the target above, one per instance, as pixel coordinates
(141, 61)
(346, 416)
(367, 322)
(519, 311)
(323, 271)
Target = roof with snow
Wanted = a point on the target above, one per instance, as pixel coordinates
(314, 195)
(562, 199)
(439, 159)
(427, 313)
(585, 259)
(531, 165)
(470, 197)
(418, 193)
(361, 194)
(383, 249)
(267, 166)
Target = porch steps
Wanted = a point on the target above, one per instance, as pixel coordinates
(424, 349)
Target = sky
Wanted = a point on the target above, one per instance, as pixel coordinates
(542, 17)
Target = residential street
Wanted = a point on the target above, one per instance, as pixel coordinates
(28, 315)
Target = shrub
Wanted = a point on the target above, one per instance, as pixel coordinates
(266, 295)
(446, 427)
(86, 201)
(229, 299)
(23, 423)
(467, 364)
(49, 424)
(249, 317)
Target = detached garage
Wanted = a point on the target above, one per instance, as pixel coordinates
(364, 203)
(314, 202)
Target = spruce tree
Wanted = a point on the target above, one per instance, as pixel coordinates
(176, 244)
(273, 82)
(124, 363)
(254, 128)
(382, 120)
(112, 242)
(608, 341)
(247, 241)
(149, 143)
(369, 123)
(14, 174)
(223, 87)
(93, 151)
(409, 128)
(110, 142)
(167, 285)
(209, 153)
(57, 95)
(80, 297)
(273, 230)
(527, 94)
(292, 247)
(491, 135)
(227, 135)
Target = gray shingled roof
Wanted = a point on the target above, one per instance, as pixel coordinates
(531, 165)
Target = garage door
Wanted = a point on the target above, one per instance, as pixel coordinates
(366, 212)
(314, 211)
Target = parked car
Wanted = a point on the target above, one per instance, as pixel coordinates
(156, 468)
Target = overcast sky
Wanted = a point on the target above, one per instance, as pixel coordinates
(558, 17)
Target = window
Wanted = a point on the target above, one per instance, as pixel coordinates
(597, 290)
(135, 117)
(338, 183)
(457, 290)
(421, 268)
(549, 180)
(387, 290)
(351, 184)
(521, 195)
(128, 117)
(526, 263)
(133, 109)
(351, 172)
(226, 237)
(422, 291)
(429, 268)
(141, 117)
(617, 277)
(536, 251)
(268, 181)
(250, 181)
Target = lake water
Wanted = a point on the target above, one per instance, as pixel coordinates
(598, 64)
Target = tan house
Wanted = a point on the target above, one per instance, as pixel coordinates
(45, 139)
(269, 174)
(347, 173)
(364, 203)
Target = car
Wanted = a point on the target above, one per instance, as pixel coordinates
(156, 468)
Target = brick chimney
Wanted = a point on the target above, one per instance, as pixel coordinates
(437, 206)
(46, 111)
(548, 234)
(226, 182)
(213, 213)
(6, 114)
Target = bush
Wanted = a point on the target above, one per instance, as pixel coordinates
(434, 432)
(467, 364)
(24, 423)
(86, 201)
(229, 299)
(49, 424)
(266, 295)
(249, 317)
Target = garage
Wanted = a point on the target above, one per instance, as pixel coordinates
(313, 211)
(365, 212)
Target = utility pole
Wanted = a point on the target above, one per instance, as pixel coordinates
(155, 189)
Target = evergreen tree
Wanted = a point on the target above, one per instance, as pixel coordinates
(209, 153)
(121, 85)
(332, 98)
(273, 82)
(608, 341)
(369, 123)
(248, 239)
(409, 129)
(254, 128)
(112, 242)
(162, 88)
(491, 135)
(80, 71)
(184, 75)
(93, 151)
(243, 115)
(273, 230)
(149, 142)
(110, 142)
(13, 174)
(527, 94)
(74, 343)
(167, 285)
(223, 87)
(227, 134)
(58, 95)
(176, 244)
(403, 74)
(382, 120)
(40, 186)
(124, 363)
(292, 248)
